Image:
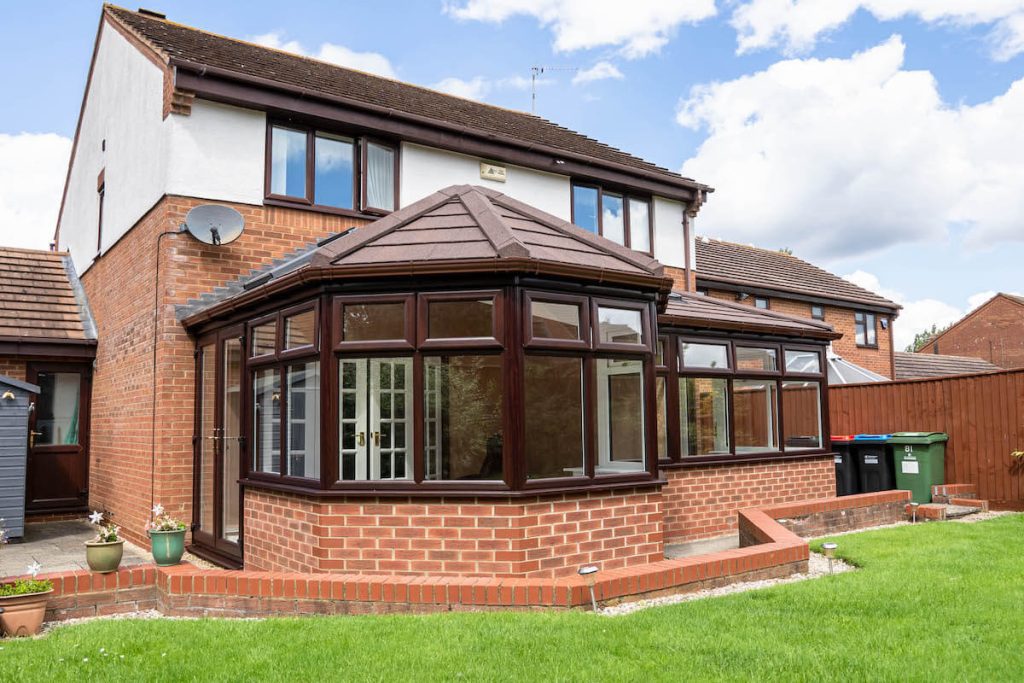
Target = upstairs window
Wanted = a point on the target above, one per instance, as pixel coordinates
(818, 312)
(864, 325)
(761, 302)
(621, 218)
(324, 170)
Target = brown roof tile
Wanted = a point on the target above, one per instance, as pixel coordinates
(740, 264)
(37, 301)
(688, 309)
(916, 365)
(182, 42)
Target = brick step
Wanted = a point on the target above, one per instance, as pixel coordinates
(957, 507)
(944, 493)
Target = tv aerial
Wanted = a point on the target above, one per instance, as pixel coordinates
(214, 224)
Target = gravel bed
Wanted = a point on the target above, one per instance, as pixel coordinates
(817, 566)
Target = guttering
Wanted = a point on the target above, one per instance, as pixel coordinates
(524, 266)
(705, 324)
(203, 71)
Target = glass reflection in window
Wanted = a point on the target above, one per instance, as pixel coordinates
(553, 417)
(334, 171)
(756, 359)
(552, 320)
(801, 410)
(619, 326)
(57, 408)
(584, 208)
(620, 415)
(704, 416)
(288, 162)
(755, 406)
(460, 319)
(613, 220)
(803, 361)
(639, 225)
(303, 438)
(300, 330)
(373, 322)
(708, 356)
(264, 338)
(266, 423)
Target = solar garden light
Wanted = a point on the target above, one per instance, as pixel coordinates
(589, 571)
(913, 511)
(830, 553)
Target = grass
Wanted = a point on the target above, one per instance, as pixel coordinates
(930, 602)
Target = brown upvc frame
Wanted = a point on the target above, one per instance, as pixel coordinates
(874, 325)
(284, 353)
(646, 332)
(626, 196)
(581, 302)
(779, 359)
(359, 208)
(803, 348)
(495, 341)
(678, 348)
(406, 343)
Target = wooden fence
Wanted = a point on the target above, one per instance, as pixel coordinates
(983, 415)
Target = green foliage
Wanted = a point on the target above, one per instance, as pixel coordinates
(25, 587)
(925, 336)
(929, 602)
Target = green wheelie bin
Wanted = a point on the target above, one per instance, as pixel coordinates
(920, 462)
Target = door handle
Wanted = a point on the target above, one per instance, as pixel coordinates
(376, 438)
(32, 438)
(361, 438)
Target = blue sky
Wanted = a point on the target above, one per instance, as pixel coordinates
(876, 138)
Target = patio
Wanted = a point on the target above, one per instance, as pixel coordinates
(58, 546)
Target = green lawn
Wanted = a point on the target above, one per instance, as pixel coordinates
(933, 602)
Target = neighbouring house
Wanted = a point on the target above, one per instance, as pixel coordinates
(994, 332)
(921, 365)
(779, 281)
(452, 338)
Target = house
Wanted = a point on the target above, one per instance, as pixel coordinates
(994, 332)
(920, 365)
(779, 281)
(451, 339)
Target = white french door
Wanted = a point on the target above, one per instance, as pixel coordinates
(375, 418)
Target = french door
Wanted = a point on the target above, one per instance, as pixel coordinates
(217, 500)
(375, 395)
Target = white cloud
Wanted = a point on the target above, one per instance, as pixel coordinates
(796, 25)
(370, 62)
(839, 157)
(598, 72)
(32, 171)
(637, 28)
(479, 87)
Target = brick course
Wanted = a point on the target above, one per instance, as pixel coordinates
(701, 501)
(12, 367)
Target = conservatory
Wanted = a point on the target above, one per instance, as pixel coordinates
(472, 386)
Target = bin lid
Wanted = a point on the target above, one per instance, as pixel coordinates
(920, 437)
(841, 438)
(873, 438)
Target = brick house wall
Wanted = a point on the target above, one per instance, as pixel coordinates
(701, 501)
(878, 360)
(533, 537)
(993, 332)
(12, 367)
(120, 288)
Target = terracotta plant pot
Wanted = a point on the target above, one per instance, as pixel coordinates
(23, 614)
(104, 557)
(167, 547)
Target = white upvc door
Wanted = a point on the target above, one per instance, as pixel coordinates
(352, 428)
(375, 419)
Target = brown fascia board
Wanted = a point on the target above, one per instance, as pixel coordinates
(46, 347)
(976, 311)
(737, 285)
(324, 273)
(239, 89)
(702, 324)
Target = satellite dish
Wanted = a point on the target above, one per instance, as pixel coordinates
(214, 224)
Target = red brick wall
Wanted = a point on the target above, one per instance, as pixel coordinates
(12, 367)
(877, 360)
(679, 281)
(536, 537)
(994, 332)
(701, 501)
(120, 287)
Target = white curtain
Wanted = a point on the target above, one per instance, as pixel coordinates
(380, 177)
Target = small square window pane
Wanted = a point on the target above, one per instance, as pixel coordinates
(263, 338)
(288, 162)
(619, 326)
(555, 320)
(803, 361)
(755, 406)
(613, 220)
(334, 172)
(300, 330)
(380, 177)
(584, 208)
(714, 356)
(801, 414)
(756, 359)
(659, 351)
(639, 225)
(373, 322)
(703, 416)
(460, 319)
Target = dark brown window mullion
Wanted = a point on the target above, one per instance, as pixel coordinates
(418, 454)
(672, 401)
(329, 433)
(513, 451)
(311, 167)
(650, 411)
(779, 416)
(590, 450)
(731, 418)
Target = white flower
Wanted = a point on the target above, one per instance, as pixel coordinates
(96, 518)
(34, 569)
(158, 510)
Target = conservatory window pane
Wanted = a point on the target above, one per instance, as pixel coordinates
(620, 326)
(801, 413)
(462, 430)
(803, 361)
(303, 439)
(710, 356)
(755, 405)
(661, 387)
(460, 319)
(756, 359)
(554, 320)
(620, 415)
(266, 421)
(288, 162)
(373, 322)
(554, 417)
(263, 338)
(703, 416)
(300, 330)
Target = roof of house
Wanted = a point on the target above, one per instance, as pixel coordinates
(689, 309)
(460, 229)
(184, 44)
(1012, 298)
(745, 265)
(915, 365)
(40, 298)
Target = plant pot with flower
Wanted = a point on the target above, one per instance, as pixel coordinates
(167, 538)
(104, 552)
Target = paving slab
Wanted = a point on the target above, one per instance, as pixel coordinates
(58, 546)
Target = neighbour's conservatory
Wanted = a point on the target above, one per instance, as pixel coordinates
(414, 396)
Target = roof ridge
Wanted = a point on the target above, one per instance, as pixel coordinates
(108, 10)
(493, 226)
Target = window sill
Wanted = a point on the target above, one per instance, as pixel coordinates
(316, 208)
(869, 347)
(767, 456)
